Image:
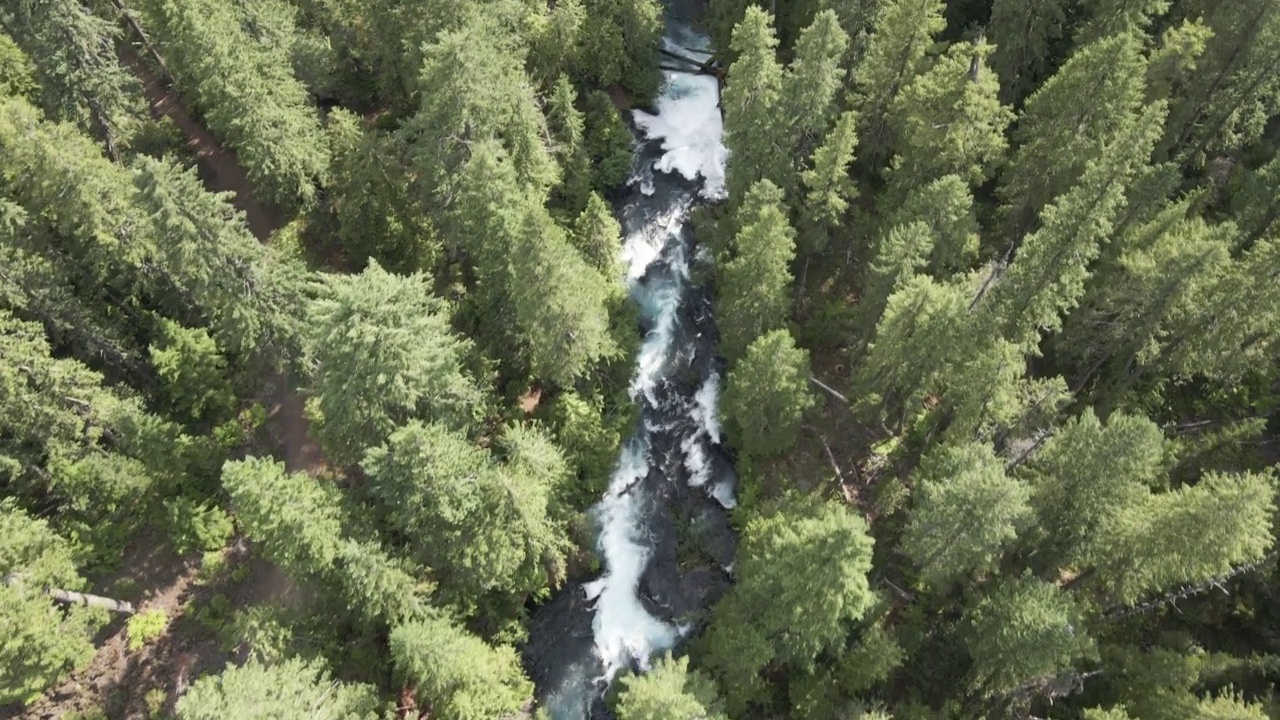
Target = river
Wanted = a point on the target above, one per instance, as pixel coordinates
(663, 534)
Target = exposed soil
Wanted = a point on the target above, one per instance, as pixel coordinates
(219, 166)
(117, 681)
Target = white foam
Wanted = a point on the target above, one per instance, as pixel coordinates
(723, 493)
(705, 404)
(642, 247)
(624, 630)
(691, 129)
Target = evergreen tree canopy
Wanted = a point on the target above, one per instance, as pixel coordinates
(802, 575)
(767, 395)
(42, 643)
(755, 285)
(966, 512)
(292, 690)
(457, 675)
(669, 690)
(382, 353)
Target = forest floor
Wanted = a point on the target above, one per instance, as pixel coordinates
(197, 594)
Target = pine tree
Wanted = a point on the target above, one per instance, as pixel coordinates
(17, 74)
(1225, 103)
(900, 252)
(1024, 35)
(560, 302)
(598, 237)
(902, 32)
(950, 121)
(811, 82)
(1231, 327)
(1048, 274)
(42, 643)
(291, 690)
(1230, 707)
(85, 450)
(669, 690)
(77, 68)
(1187, 536)
(945, 206)
(481, 528)
(370, 200)
(458, 676)
(1089, 473)
(754, 289)
(1022, 631)
(828, 187)
(73, 217)
(569, 126)
(1083, 109)
(382, 353)
(802, 575)
(621, 44)
(556, 43)
(194, 372)
(1175, 59)
(248, 95)
(609, 143)
(378, 588)
(474, 89)
(295, 518)
(251, 295)
(1113, 17)
(1256, 209)
(965, 514)
(921, 323)
(1163, 266)
(767, 395)
(754, 129)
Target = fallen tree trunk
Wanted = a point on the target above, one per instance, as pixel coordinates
(76, 598)
(703, 67)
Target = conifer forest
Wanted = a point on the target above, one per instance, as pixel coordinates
(639, 359)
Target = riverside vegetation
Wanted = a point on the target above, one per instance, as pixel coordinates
(998, 293)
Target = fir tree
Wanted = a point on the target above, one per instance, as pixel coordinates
(767, 395)
(249, 97)
(966, 512)
(82, 80)
(1023, 631)
(902, 32)
(669, 690)
(754, 291)
(1058, 123)
(456, 674)
(949, 120)
(42, 643)
(1024, 34)
(755, 131)
(292, 690)
(382, 353)
(802, 574)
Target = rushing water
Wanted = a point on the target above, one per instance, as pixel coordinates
(673, 481)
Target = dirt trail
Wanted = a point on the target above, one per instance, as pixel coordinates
(118, 680)
(219, 165)
(163, 581)
(222, 171)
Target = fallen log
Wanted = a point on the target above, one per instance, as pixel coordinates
(706, 67)
(830, 390)
(76, 598)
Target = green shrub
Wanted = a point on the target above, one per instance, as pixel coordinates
(145, 627)
(197, 526)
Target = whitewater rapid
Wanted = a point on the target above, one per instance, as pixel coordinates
(687, 121)
(663, 533)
